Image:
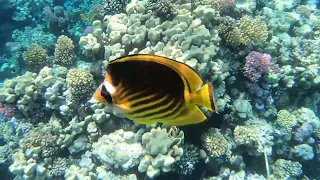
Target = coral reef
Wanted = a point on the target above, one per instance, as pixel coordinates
(80, 84)
(261, 57)
(35, 57)
(64, 51)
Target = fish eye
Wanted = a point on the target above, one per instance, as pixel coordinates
(106, 95)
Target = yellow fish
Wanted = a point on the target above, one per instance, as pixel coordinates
(150, 89)
(84, 17)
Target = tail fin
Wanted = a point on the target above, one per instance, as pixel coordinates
(204, 97)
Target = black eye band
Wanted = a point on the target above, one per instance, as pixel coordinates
(106, 95)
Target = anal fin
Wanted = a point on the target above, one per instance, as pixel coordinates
(193, 115)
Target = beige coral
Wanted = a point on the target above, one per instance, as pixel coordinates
(215, 143)
(286, 120)
(244, 31)
(35, 57)
(64, 51)
(80, 84)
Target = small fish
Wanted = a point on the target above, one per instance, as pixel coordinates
(84, 17)
(149, 89)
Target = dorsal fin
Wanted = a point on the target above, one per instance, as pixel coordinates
(192, 77)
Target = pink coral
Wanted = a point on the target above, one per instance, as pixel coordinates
(256, 64)
(7, 110)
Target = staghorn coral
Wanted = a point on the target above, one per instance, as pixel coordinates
(215, 143)
(80, 84)
(35, 57)
(242, 32)
(64, 51)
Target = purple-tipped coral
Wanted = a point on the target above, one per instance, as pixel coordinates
(303, 132)
(256, 64)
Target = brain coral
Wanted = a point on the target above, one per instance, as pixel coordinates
(80, 84)
(64, 51)
(35, 57)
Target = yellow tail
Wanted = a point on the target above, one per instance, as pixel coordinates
(204, 97)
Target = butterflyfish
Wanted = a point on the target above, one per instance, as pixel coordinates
(151, 89)
(84, 17)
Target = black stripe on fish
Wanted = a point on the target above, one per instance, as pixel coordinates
(151, 107)
(144, 101)
(173, 107)
(106, 95)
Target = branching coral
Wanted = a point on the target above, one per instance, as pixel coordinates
(256, 64)
(286, 120)
(41, 142)
(236, 33)
(23, 38)
(80, 84)
(64, 51)
(58, 167)
(114, 6)
(189, 159)
(163, 8)
(35, 57)
(257, 137)
(215, 143)
(58, 20)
